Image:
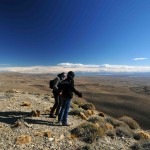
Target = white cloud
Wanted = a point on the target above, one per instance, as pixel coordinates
(65, 67)
(139, 58)
(77, 65)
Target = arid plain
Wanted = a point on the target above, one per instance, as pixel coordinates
(113, 95)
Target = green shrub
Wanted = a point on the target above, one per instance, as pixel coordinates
(88, 106)
(114, 122)
(76, 111)
(88, 132)
(74, 106)
(96, 119)
(78, 102)
(86, 147)
(141, 145)
(130, 122)
(124, 131)
(110, 133)
(141, 135)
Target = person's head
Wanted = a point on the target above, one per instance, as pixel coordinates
(62, 75)
(71, 74)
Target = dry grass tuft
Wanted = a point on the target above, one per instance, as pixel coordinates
(82, 115)
(76, 111)
(109, 126)
(90, 112)
(124, 131)
(17, 124)
(88, 106)
(141, 135)
(35, 113)
(130, 122)
(86, 147)
(96, 119)
(115, 122)
(101, 114)
(25, 104)
(72, 136)
(12, 91)
(23, 139)
(141, 145)
(74, 106)
(78, 102)
(43, 133)
(88, 132)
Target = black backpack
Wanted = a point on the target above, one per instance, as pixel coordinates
(51, 84)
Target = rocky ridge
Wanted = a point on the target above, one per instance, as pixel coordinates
(24, 124)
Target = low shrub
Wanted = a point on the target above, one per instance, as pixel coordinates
(138, 135)
(141, 145)
(114, 122)
(73, 105)
(88, 106)
(86, 147)
(76, 111)
(101, 114)
(78, 102)
(88, 132)
(96, 119)
(124, 131)
(130, 122)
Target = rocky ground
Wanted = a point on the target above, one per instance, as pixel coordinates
(20, 129)
(25, 102)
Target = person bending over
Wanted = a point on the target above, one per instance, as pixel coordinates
(58, 100)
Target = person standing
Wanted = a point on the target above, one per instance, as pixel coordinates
(58, 100)
(66, 89)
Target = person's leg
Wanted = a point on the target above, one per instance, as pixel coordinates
(59, 105)
(61, 113)
(66, 110)
(56, 97)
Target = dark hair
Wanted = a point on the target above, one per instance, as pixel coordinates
(61, 74)
(71, 74)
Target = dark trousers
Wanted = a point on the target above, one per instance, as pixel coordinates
(57, 104)
(63, 115)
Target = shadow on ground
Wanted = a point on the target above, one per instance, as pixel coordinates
(12, 116)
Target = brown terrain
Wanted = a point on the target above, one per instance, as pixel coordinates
(119, 95)
(25, 101)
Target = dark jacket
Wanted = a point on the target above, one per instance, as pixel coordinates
(57, 80)
(67, 88)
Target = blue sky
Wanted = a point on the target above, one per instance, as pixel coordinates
(75, 33)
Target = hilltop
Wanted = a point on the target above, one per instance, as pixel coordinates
(24, 122)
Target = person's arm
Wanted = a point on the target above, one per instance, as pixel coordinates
(76, 92)
(55, 86)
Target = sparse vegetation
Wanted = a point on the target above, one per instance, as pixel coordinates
(76, 111)
(88, 106)
(96, 119)
(124, 131)
(88, 132)
(18, 120)
(130, 122)
(78, 102)
(73, 105)
(86, 147)
(138, 135)
(23, 139)
(141, 145)
(101, 114)
(114, 122)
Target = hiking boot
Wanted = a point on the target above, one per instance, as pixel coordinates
(52, 116)
(58, 123)
(66, 124)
